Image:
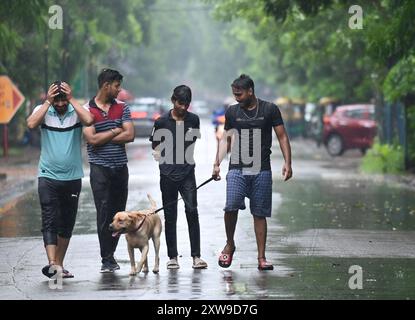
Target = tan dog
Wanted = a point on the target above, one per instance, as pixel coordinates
(139, 227)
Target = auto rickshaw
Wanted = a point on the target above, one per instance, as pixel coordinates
(325, 106)
(292, 111)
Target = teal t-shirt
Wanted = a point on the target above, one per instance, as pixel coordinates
(61, 137)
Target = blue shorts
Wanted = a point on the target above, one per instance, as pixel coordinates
(258, 188)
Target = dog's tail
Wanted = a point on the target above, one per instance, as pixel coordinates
(153, 203)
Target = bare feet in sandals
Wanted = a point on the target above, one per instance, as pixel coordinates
(263, 264)
(226, 256)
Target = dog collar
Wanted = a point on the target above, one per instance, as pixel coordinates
(141, 224)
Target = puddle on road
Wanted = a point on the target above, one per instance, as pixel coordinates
(23, 218)
(344, 205)
(328, 278)
(321, 207)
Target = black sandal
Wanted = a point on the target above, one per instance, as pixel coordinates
(47, 272)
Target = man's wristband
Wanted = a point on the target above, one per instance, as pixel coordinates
(113, 132)
(47, 101)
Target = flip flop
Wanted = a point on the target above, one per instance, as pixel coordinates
(263, 264)
(66, 274)
(225, 259)
(46, 271)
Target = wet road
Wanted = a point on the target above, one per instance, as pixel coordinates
(325, 220)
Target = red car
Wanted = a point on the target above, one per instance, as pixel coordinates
(349, 127)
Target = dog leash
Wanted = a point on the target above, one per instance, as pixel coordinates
(206, 182)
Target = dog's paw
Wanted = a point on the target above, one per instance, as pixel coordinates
(156, 270)
(133, 272)
(145, 269)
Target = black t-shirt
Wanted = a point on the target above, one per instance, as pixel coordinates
(252, 125)
(178, 159)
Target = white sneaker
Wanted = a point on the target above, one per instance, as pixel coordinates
(199, 263)
(173, 264)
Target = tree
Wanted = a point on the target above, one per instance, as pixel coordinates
(95, 33)
(311, 56)
(315, 53)
(185, 45)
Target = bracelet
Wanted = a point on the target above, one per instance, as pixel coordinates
(113, 132)
(47, 102)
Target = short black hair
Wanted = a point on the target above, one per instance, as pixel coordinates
(243, 82)
(61, 95)
(182, 94)
(108, 75)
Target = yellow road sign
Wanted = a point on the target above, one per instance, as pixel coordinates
(10, 99)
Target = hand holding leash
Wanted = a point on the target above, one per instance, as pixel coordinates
(216, 172)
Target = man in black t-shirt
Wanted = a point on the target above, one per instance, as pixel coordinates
(173, 139)
(249, 125)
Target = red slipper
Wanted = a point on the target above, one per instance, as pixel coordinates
(225, 259)
(263, 264)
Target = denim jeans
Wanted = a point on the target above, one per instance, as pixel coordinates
(169, 191)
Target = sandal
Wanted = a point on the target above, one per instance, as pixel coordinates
(46, 270)
(173, 264)
(66, 274)
(199, 263)
(263, 264)
(225, 259)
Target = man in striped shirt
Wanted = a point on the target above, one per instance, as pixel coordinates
(106, 139)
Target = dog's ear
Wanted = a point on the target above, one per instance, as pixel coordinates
(140, 215)
(132, 216)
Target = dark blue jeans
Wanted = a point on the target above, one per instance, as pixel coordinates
(110, 190)
(169, 191)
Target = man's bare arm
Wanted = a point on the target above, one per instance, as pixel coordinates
(98, 139)
(285, 146)
(35, 119)
(84, 115)
(127, 135)
(224, 146)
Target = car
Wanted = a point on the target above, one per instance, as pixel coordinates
(144, 112)
(349, 127)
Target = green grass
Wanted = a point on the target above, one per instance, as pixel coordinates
(384, 158)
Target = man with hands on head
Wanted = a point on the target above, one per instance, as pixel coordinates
(60, 170)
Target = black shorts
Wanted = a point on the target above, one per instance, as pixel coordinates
(59, 203)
